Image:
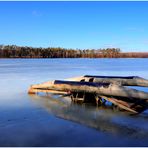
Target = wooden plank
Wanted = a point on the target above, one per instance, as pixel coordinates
(121, 104)
(34, 91)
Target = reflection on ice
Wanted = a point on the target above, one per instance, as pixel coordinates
(25, 123)
(102, 119)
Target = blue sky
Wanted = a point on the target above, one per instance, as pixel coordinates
(75, 24)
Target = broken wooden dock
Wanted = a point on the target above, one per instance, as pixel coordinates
(100, 89)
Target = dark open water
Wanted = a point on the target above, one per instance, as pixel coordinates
(53, 121)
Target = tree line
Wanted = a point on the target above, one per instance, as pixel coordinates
(13, 51)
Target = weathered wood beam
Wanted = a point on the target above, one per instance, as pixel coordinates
(89, 87)
(34, 91)
(121, 104)
(124, 81)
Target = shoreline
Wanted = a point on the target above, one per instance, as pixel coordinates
(80, 58)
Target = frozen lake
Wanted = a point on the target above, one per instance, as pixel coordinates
(44, 121)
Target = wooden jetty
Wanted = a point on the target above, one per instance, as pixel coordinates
(100, 89)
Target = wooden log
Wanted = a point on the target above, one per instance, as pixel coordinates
(120, 80)
(105, 89)
(124, 81)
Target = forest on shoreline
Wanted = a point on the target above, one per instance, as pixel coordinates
(13, 51)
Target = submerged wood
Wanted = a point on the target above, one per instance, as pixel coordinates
(120, 104)
(109, 88)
